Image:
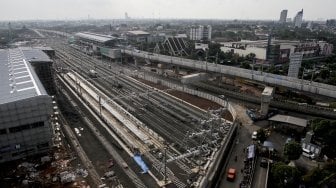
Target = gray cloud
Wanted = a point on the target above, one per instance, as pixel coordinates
(220, 9)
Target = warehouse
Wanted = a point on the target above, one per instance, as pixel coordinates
(25, 108)
(98, 44)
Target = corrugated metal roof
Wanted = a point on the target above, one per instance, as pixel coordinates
(138, 32)
(18, 79)
(95, 37)
(290, 120)
(35, 55)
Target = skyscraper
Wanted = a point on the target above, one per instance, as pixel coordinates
(298, 19)
(126, 16)
(283, 16)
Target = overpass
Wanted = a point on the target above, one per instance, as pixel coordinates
(271, 79)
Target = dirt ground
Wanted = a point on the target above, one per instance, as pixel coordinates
(192, 99)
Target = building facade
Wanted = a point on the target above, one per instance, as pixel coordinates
(25, 109)
(137, 36)
(279, 51)
(298, 19)
(201, 32)
(294, 65)
(283, 16)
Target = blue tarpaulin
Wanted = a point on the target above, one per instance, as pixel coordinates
(141, 163)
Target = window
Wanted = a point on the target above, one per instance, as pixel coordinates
(24, 127)
(19, 128)
(37, 124)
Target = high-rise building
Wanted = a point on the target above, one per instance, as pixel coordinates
(200, 33)
(283, 16)
(126, 16)
(298, 19)
(294, 64)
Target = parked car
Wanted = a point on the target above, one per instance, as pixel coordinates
(231, 175)
(308, 153)
(263, 163)
(254, 135)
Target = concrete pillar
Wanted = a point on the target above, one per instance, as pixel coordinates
(266, 97)
(160, 69)
(135, 62)
(177, 70)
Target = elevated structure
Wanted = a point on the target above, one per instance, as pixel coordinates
(273, 79)
(266, 97)
(25, 107)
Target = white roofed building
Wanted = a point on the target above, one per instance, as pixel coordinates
(25, 107)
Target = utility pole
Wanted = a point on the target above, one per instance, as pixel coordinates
(165, 164)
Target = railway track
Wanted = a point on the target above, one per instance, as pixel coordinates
(169, 123)
(167, 116)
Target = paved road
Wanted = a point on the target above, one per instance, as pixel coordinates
(260, 175)
(242, 141)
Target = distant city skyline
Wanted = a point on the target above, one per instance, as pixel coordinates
(184, 9)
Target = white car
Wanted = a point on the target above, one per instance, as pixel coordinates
(254, 135)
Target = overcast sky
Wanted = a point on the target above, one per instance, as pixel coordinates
(218, 9)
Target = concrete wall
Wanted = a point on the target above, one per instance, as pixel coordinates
(31, 120)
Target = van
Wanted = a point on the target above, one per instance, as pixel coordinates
(308, 153)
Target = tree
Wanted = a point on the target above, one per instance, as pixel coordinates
(324, 74)
(284, 175)
(320, 176)
(293, 150)
(245, 65)
(250, 56)
(325, 132)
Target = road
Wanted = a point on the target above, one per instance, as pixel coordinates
(243, 140)
(259, 179)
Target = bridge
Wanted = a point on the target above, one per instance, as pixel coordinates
(271, 79)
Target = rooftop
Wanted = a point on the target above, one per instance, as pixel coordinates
(268, 91)
(138, 32)
(18, 79)
(95, 37)
(290, 120)
(35, 54)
